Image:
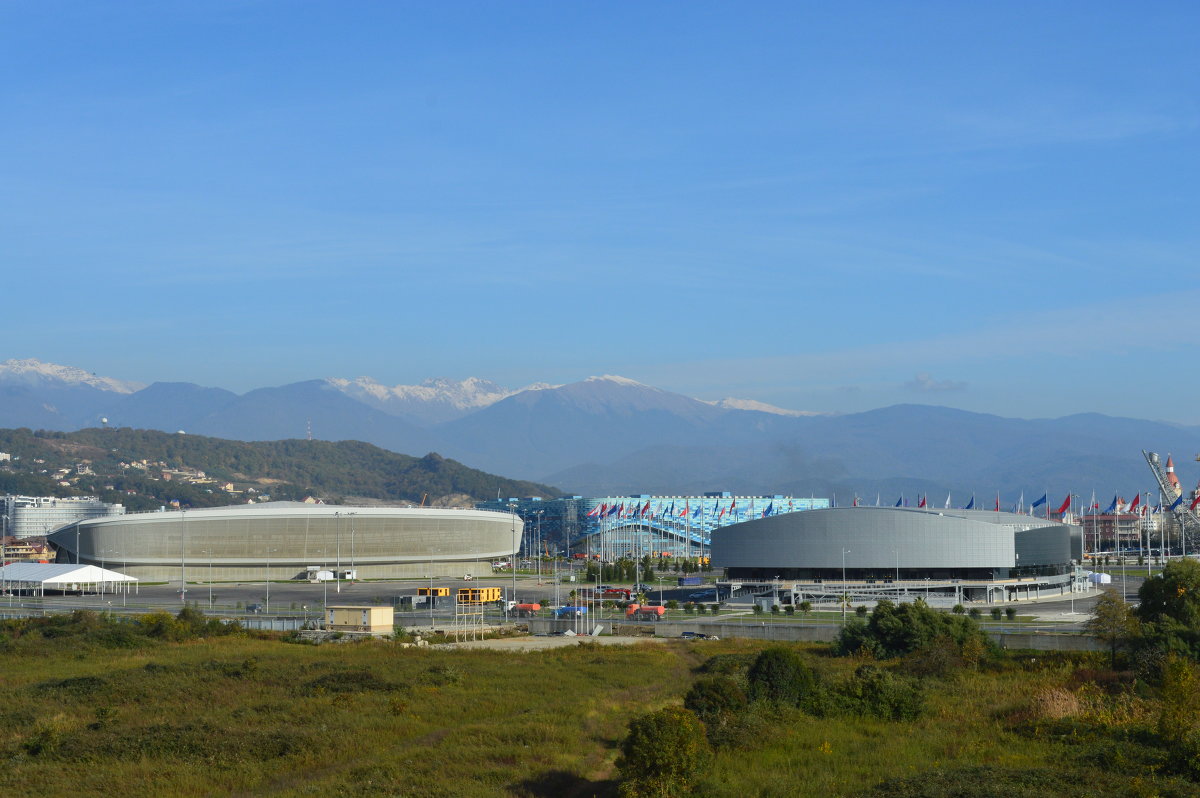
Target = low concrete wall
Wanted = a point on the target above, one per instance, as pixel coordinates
(806, 633)
(1041, 641)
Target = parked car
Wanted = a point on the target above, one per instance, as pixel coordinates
(702, 595)
(698, 636)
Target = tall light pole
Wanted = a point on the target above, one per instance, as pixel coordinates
(268, 583)
(337, 520)
(183, 557)
(210, 597)
(353, 567)
(512, 509)
(539, 546)
(844, 553)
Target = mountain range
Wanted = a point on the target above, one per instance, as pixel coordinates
(611, 435)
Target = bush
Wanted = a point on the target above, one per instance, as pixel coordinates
(790, 609)
(806, 607)
(996, 613)
(758, 610)
(780, 676)
(860, 611)
(672, 604)
(714, 699)
(714, 608)
(874, 691)
(1010, 613)
(663, 755)
(774, 609)
(959, 609)
(894, 631)
(975, 614)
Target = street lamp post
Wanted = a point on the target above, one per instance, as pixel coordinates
(512, 509)
(337, 521)
(183, 557)
(844, 553)
(268, 583)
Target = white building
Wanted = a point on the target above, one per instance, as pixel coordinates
(38, 516)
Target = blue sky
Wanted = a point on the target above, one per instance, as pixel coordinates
(823, 206)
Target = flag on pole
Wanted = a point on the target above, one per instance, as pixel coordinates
(997, 501)
(922, 502)
(1195, 501)
(947, 505)
(1137, 497)
(1066, 505)
(1174, 505)
(770, 509)
(1112, 508)
(595, 511)
(971, 504)
(1039, 502)
(900, 501)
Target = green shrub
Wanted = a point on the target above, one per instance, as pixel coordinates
(959, 609)
(997, 613)
(1010, 613)
(715, 698)
(975, 614)
(663, 755)
(885, 695)
(895, 630)
(779, 675)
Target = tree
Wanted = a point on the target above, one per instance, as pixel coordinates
(1113, 621)
(1174, 595)
(806, 607)
(1010, 613)
(663, 754)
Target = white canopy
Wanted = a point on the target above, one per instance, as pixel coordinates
(61, 576)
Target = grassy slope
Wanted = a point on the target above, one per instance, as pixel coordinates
(238, 716)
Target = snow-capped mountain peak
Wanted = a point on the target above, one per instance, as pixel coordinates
(730, 403)
(28, 371)
(433, 401)
(613, 378)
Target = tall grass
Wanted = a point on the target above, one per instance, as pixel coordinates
(237, 715)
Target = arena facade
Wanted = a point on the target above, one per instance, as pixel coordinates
(291, 539)
(968, 554)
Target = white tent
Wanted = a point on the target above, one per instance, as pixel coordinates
(37, 577)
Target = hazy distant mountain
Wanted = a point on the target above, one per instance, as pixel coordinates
(432, 402)
(610, 434)
(289, 411)
(169, 406)
(596, 420)
(36, 374)
(50, 396)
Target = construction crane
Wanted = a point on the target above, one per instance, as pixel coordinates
(1189, 522)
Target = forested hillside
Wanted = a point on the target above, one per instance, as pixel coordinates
(144, 469)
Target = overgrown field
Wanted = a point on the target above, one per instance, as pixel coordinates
(89, 707)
